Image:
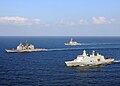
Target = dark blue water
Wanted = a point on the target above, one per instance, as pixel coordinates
(48, 68)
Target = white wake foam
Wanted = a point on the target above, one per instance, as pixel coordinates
(99, 43)
(117, 61)
(65, 49)
(61, 49)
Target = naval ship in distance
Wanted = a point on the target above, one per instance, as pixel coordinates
(25, 48)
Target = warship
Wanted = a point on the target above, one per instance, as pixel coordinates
(85, 60)
(25, 48)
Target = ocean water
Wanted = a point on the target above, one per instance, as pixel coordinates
(48, 68)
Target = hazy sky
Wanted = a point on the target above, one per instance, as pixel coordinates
(59, 17)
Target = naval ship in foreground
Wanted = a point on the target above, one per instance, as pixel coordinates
(25, 48)
(92, 60)
(72, 43)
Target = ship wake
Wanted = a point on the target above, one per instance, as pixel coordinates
(100, 43)
(64, 49)
(67, 49)
(117, 61)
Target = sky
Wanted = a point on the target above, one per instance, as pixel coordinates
(59, 17)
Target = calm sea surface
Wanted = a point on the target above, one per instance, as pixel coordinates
(48, 68)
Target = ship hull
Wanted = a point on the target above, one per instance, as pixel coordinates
(72, 44)
(74, 63)
(27, 50)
